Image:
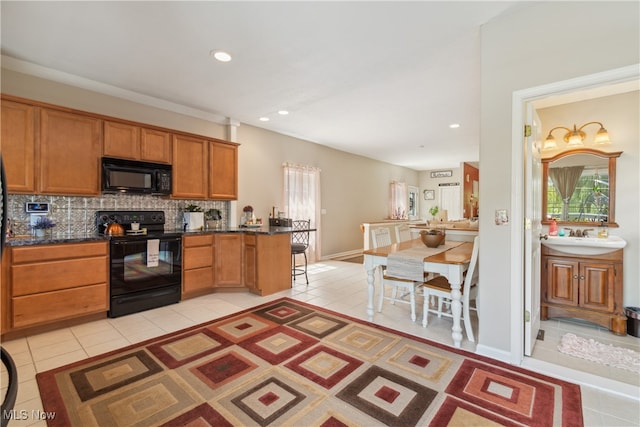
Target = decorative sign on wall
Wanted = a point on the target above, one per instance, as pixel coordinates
(441, 174)
(429, 194)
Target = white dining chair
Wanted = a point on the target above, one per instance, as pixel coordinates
(439, 287)
(403, 233)
(382, 237)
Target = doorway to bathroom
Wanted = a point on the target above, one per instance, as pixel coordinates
(588, 87)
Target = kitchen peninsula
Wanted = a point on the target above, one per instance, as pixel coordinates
(462, 230)
(53, 281)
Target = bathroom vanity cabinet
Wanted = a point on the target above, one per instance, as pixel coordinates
(587, 287)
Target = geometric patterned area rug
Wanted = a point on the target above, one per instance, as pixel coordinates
(287, 363)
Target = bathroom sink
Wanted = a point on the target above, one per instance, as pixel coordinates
(585, 245)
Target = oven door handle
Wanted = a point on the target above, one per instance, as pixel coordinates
(134, 242)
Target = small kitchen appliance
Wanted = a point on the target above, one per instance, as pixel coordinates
(129, 176)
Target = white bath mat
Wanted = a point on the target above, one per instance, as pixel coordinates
(594, 351)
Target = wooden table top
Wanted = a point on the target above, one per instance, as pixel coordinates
(459, 255)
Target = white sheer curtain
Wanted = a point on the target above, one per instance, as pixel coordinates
(302, 200)
(398, 197)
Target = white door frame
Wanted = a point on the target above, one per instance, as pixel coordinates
(520, 100)
(532, 228)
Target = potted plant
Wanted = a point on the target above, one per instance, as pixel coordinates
(212, 217)
(433, 210)
(193, 218)
(43, 224)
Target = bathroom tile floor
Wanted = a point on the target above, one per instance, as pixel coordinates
(338, 286)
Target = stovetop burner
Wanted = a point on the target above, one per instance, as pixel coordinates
(151, 223)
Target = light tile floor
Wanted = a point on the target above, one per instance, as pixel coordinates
(338, 286)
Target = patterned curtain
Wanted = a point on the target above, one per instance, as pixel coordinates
(302, 200)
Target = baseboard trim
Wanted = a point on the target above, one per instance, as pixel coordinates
(494, 353)
(341, 255)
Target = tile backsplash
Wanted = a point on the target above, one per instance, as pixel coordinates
(77, 215)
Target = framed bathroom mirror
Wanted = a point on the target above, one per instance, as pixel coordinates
(579, 187)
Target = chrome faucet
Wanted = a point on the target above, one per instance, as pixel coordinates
(578, 232)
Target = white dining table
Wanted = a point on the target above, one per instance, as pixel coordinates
(451, 263)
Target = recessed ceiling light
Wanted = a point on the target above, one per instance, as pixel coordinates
(264, 119)
(454, 125)
(283, 112)
(221, 55)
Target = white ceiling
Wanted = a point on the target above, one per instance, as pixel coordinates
(379, 79)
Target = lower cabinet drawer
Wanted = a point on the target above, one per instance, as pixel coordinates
(202, 240)
(200, 278)
(198, 257)
(57, 275)
(48, 306)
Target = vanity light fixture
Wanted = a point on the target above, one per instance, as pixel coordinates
(575, 137)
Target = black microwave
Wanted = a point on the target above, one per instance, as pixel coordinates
(129, 176)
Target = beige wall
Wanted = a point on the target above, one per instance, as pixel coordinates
(530, 47)
(428, 183)
(354, 188)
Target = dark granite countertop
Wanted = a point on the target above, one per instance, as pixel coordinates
(28, 240)
(265, 229)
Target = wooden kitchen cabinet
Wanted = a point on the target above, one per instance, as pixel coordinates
(583, 287)
(155, 146)
(17, 145)
(190, 169)
(228, 260)
(250, 249)
(121, 140)
(267, 263)
(128, 141)
(49, 283)
(54, 150)
(223, 170)
(254, 262)
(197, 265)
(204, 169)
(70, 151)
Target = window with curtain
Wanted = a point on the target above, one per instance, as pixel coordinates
(302, 200)
(578, 194)
(398, 197)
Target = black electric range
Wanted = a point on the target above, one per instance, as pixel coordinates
(145, 265)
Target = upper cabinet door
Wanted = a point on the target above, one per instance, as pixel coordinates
(18, 146)
(223, 171)
(121, 140)
(189, 167)
(127, 141)
(155, 146)
(70, 150)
